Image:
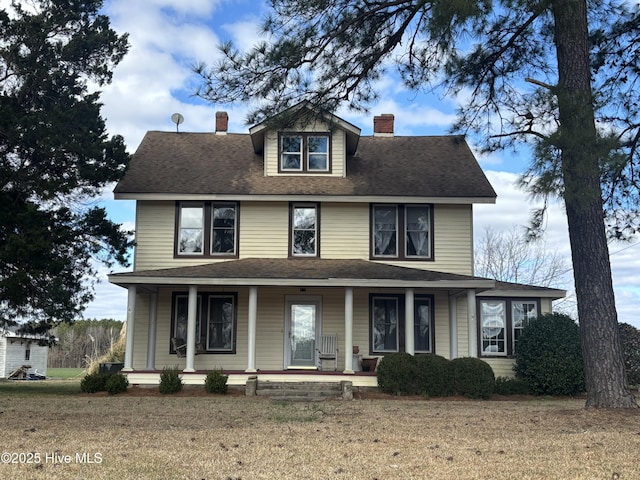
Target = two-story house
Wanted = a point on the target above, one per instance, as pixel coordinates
(250, 248)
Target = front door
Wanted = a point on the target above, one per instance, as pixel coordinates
(302, 322)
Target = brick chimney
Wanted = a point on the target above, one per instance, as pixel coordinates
(383, 125)
(222, 123)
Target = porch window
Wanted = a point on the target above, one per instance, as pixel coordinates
(303, 152)
(221, 321)
(304, 230)
(493, 320)
(501, 324)
(385, 324)
(215, 320)
(402, 231)
(422, 325)
(521, 313)
(181, 310)
(207, 229)
(388, 324)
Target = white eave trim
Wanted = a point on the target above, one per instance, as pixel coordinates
(533, 293)
(303, 198)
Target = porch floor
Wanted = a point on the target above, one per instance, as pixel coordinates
(240, 377)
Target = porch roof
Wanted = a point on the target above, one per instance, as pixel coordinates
(302, 273)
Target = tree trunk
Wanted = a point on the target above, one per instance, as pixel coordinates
(603, 362)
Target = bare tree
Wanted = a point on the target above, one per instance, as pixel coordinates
(510, 257)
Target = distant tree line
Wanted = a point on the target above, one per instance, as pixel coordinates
(83, 341)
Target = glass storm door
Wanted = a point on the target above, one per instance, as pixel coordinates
(302, 331)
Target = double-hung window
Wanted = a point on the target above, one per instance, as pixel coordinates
(304, 230)
(215, 320)
(388, 324)
(402, 232)
(207, 229)
(501, 324)
(303, 152)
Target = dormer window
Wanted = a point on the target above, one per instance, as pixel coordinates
(304, 152)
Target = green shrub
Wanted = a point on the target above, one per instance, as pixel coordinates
(216, 381)
(630, 343)
(511, 386)
(94, 382)
(116, 383)
(397, 374)
(472, 378)
(549, 356)
(433, 375)
(170, 381)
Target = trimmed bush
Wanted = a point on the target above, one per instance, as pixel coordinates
(433, 375)
(116, 383)
(216, 382)
(94, 382)
(630, 343)
(170, 381)
(511, 386)
(397, 374)
(472, 377)
(549, 356)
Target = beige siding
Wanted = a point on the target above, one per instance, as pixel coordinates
(463, 326)
(338, 149)
(344, 230)
(453, 239)
(155, 226)
(270, 327)
(502, 367)
(264, 229)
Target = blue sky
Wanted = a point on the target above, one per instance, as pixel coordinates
(155, 80)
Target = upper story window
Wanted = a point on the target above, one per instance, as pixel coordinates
(304, 152)
(402, 232)
(304, 230)
(208, 229)
(502, 322)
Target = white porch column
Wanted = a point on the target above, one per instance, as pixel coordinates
(253, 315)
(473, 323)
(348, 330)
(453, 327)
(409, 340)
(151, 340)
(131, 313)
(191, 328)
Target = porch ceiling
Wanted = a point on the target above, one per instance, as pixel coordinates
(302, 272)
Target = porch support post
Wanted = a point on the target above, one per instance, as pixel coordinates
(348, 330)
(453, 327)
(253, 315)
(153, 321)
(409, 337)
(191, 328)
(473, 323)
(131, 313)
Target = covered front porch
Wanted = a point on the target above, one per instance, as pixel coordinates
(267, 296)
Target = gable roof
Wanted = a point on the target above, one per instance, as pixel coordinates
(190, 164)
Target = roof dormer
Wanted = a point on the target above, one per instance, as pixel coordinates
(304, 141)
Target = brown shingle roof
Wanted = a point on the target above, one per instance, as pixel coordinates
(322, 272)
(206, 163)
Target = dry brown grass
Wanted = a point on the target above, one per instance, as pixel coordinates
(234, 437)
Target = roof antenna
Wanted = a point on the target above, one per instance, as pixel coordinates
(177, 118)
